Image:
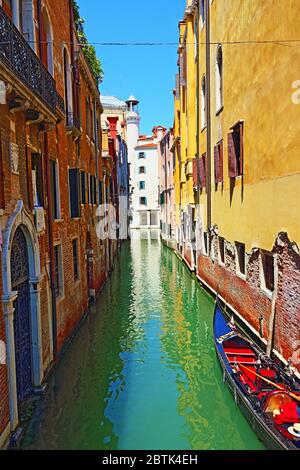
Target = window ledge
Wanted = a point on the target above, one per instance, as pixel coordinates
(268, 293)
(219, 110)
(58, 221)
(241, 275)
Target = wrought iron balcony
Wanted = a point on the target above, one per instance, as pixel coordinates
(22, 61)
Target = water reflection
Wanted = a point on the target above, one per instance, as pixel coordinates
(142, 372)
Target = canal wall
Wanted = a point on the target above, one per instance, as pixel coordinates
(244, 296)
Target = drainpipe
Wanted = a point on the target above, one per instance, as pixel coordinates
(208, 119)
(273, 310)
(51, 247)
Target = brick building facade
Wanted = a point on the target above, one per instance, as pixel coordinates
(51, 182)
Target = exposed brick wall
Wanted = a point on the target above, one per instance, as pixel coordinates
(247, 296)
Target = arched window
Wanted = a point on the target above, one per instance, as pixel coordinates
(219, 79)
(47, 42)
(68, 85)
(203, 102)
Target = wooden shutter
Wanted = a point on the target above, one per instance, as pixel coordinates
(218, 160)
(74, 193)
(217, 164)
(195, 171)
(232, 157)
(202, 171)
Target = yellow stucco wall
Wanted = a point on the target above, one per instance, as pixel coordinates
(257, 89)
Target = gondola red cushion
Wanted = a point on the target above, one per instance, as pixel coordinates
(289, 414)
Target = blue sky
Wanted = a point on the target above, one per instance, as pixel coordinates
(146, 71)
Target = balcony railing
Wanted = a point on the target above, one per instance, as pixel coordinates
(22, 61)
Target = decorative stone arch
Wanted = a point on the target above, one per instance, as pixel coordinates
(21, 219)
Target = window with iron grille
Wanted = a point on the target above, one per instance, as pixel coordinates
(142, 170)
(75, 259)
(58, 271)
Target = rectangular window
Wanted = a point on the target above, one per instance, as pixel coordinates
(74, 193)
(143, 201)
(205, 243)
(142, 170)
(236, 151)
(143, 218)
(202, 171)
(240, 257)
(83, 187)
(58, 271)
(142, 185)
(153, 218)
(219, 163)
(221, 250)
(142, 155)
(37, 180)
(267, 271)
(54, 182)
(75, 259)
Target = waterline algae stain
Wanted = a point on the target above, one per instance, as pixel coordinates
(142, 372)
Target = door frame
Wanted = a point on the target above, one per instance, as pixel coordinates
(21, 219)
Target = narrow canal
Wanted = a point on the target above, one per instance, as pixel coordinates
(142, 371)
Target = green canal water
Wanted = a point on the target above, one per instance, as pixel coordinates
(142, 372)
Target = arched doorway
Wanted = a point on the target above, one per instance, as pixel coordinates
(22, 323)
